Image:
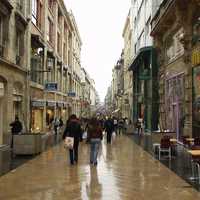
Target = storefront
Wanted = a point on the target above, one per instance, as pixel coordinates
(59, 109)
(51, 112)
(37, 111)
(174, 103)
(145, 84)
(196, 92)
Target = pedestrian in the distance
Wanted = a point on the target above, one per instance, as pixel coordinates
(73, 129)
(120, 126)
(95, 136)
(109, 128)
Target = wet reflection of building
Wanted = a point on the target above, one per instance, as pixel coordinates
(94, 189)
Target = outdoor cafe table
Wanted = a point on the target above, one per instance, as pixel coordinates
(194, 152)
(173, 140)
(190, 140)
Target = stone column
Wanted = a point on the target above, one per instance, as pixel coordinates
(184, 19)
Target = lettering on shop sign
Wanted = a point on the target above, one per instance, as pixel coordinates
(71, 94)
(51, 103)
(51, 86)
(38, 103)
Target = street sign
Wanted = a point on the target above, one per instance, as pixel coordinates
(71, 94)
(51, 86)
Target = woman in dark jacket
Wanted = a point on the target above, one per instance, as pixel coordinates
(73, 129)
(95, 136)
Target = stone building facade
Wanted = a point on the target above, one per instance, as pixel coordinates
(40, 67)
(55, 68)
(127, 100)
(144, 66)
(14, 36)
(175, 29)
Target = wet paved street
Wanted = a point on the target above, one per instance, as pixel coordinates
(124, 171)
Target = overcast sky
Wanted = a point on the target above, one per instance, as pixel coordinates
(100, 24)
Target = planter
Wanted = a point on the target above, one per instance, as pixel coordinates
(5, 158)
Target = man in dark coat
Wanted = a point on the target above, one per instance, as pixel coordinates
(16, 128)
(73, 129)
(109, 128)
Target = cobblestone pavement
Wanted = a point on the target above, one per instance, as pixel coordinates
(124, 171)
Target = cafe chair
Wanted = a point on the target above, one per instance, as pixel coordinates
(197, 141)
(165, 147)
(186, 143)
(195, 163)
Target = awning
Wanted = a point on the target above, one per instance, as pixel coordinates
(137, 60)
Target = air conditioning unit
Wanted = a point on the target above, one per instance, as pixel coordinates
(50, 63)
(1, 50)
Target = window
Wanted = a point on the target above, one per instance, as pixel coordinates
(58, 77)
(36, 65)
(19, 46)
(50, 31)
(59, 18)
(58, 44)
(34, 11)
(37, 13)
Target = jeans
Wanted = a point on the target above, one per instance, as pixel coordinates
(94, 149)
(109, 137)
(73, 153)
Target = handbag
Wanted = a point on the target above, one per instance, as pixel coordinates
(69, 143)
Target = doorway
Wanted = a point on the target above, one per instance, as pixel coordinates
(174, 101)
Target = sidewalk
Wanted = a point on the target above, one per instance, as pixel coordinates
(124, 172)
(180, 164)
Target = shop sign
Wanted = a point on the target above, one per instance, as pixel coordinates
(51, 86)
(1, 89)
(196, 57)
(71, 94)
(38, 103)
(51, 103)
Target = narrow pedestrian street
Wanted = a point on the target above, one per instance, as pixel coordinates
(124, 171)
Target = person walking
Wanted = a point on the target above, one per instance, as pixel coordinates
(73, 129)
(56, 123)
(109, 128)
(95, 136)
(121, 126)
(16, 128)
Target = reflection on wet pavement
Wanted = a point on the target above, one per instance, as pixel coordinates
(124, 171)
